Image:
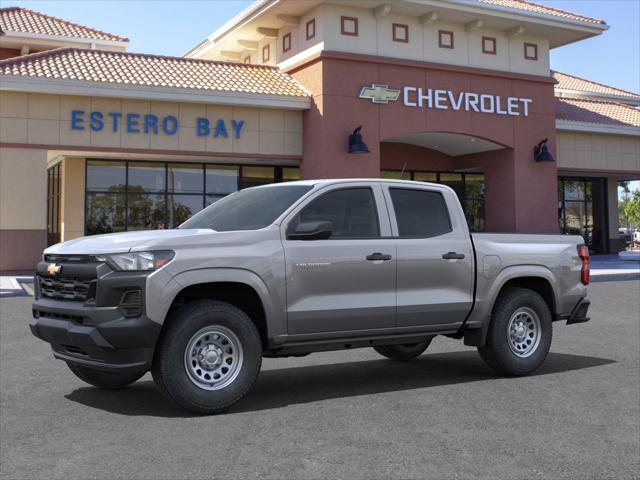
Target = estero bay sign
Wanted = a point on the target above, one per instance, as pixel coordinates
(97, 121)
(441, 99)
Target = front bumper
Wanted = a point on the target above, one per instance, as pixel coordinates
(106, 330)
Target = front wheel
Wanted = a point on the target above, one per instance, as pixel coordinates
(103, 379)
(520, 332)
(208, 357)
(403, 352)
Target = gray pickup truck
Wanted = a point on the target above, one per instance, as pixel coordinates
(300, 267)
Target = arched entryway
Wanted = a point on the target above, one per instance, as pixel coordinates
(475, 168)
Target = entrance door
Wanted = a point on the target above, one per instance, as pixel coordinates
(435, 259)
(346, 282)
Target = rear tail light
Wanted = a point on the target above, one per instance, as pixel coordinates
(583, 253)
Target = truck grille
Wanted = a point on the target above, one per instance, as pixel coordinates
(74, 289)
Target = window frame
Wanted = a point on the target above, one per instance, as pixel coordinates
(266, 56)
(286, 43)
(493, 41)
(343, 31)
(378, 202)
(441, 35)
(395, 28)
(310, 29)
(533, 57)
(394, 218)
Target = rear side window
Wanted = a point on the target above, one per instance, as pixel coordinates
(351, 211)
(420, 213)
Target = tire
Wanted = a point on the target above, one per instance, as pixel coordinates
(208, 357)
(103, 379)
(404, 352)
(524, 349)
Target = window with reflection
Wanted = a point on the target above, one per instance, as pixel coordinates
(137, 195)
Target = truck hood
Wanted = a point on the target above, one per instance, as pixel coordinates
(123, 242)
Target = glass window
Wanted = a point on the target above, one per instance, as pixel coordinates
(222, 180)
(290, 174)
(425, 177)
(574, 190)
(352, 213)
(182, 207)
(249, 209)
(254, 176)
(146, 212)
(185, 178)
(420, 213)
(394, 174)
(146, 177)
(453, 180)
(473, 185)
(106, 176)
(105, 213)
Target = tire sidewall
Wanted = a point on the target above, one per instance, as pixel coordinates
(171, 355)
(509, 362)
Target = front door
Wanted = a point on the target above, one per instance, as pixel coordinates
(435, 258)
(346, 282)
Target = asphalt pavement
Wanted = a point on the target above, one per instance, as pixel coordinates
(349, 414)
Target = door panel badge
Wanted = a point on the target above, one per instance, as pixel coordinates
(309, 265)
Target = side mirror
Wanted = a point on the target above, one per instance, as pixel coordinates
(311, 231)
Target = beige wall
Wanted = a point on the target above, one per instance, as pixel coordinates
(586, 151)
(46, 120)
(23, 188)
(375, 38)
(72, 201)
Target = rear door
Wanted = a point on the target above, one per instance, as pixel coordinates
(347, 282)
(435, 259)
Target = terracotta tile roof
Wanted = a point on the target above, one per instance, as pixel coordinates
(537, 8)
(152, 71)
(593, 111)
(571, 82)
(23, 20)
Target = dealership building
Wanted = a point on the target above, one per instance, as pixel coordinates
(95, 139)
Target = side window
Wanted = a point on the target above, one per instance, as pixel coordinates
(420, 213)
(351, 211)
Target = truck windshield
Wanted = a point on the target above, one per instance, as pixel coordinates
(249, 209)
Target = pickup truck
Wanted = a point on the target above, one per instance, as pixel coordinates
(293, 268)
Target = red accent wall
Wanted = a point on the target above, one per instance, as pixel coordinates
(8, 53)
(521, 194)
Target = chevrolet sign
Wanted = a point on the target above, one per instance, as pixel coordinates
(440, 99)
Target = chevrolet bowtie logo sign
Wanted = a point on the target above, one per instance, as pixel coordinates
(379, 93)
(52, 269)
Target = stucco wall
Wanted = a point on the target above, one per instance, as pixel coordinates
(595, 151)
(23, 201)
(42, 119)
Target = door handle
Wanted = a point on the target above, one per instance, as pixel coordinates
(378, 257)
(453, 256)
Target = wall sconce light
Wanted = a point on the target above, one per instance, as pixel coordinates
(356, 145)
(541, 153)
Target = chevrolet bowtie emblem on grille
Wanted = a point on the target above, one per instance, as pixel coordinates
(379, 93)
(52, 269)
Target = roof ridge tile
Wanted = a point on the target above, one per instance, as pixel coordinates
(67, 22)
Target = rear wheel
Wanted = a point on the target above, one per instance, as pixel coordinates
(519, 336)
(208, 357)
(103, 379)
(403, 352)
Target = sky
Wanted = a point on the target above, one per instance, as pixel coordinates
(173, 27)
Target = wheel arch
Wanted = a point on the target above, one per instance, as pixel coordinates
(241, 288)
(532, 277)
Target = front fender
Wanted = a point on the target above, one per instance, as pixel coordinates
(274, 313)
(488, 291)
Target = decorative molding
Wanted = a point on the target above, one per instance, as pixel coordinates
(428, 18)
(530, 51)
(489, 45)
(286, 43)
(473, 26)
(249, 45)
(516, 31)
(446, 39)
(310, 29)
(345, 28)
(230, 54)
(268, 32)
(382, 11)
(266, 53)
(400, 32)
(290, 20)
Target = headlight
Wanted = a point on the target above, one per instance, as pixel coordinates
(137, 261)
